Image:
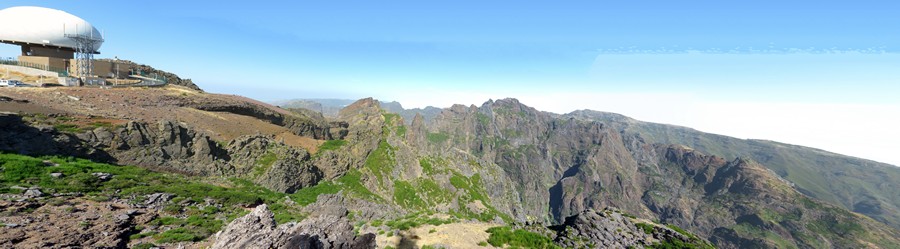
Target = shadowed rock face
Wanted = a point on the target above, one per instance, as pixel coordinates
(258, 230)
(169, 146)
(16, 136)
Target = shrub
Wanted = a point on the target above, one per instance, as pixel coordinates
(18, 170)
(401, 131)
(381, 161)
(178, 235)
(67, 128)
(406, 196)
(141, 235)
(427, 167)
(331, 145)
(264, 163)
(437, 137)
(647, 228)
(308, 195)
(504, 235)
(144, 246)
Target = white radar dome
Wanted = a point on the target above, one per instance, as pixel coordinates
(44, 26)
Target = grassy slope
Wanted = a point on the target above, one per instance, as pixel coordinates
(133, 183)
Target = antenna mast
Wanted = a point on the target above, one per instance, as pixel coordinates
(84, 51)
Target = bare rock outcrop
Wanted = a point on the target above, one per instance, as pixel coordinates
(612, 229)
(258, 230)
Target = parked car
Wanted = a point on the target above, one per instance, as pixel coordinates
(12, 83)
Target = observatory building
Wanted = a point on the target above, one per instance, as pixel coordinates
(62, 46)
(51, 39)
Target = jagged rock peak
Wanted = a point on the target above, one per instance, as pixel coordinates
(367, 105)
(508, 101)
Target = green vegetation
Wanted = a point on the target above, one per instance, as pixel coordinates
(748, 230)
(405, 196)
(647, 228)
(673, 243)
(144, 246)
(474, 191)
(103, 124)
(381, 161)
(500, 236)
(412, 221)
(389, 118)
(432, 192)
(496, 142)
(427, 167)
(193, 228)
(433, 165)
(679, 244)
(401, 131)
(350, 183)
(508, 111)
(511, 133)
(308, 195)
(331, 145)
(681, 231)
(482, 119)
(178, 235)
(264, 162)
(437, 138)
(68, 128)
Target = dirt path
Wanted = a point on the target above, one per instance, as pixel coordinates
(455, 235)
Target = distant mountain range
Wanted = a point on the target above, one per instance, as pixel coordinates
(331, 107)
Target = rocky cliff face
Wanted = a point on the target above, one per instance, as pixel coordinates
(169, 146)
(855, 184)
(542, 167)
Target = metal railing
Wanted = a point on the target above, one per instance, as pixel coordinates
(154, 76)
(62, 72)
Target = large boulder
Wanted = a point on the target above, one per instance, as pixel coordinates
(259, 230)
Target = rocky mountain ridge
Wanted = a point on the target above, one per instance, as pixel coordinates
(499, 163)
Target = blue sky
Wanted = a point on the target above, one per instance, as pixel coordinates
(729, 67)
